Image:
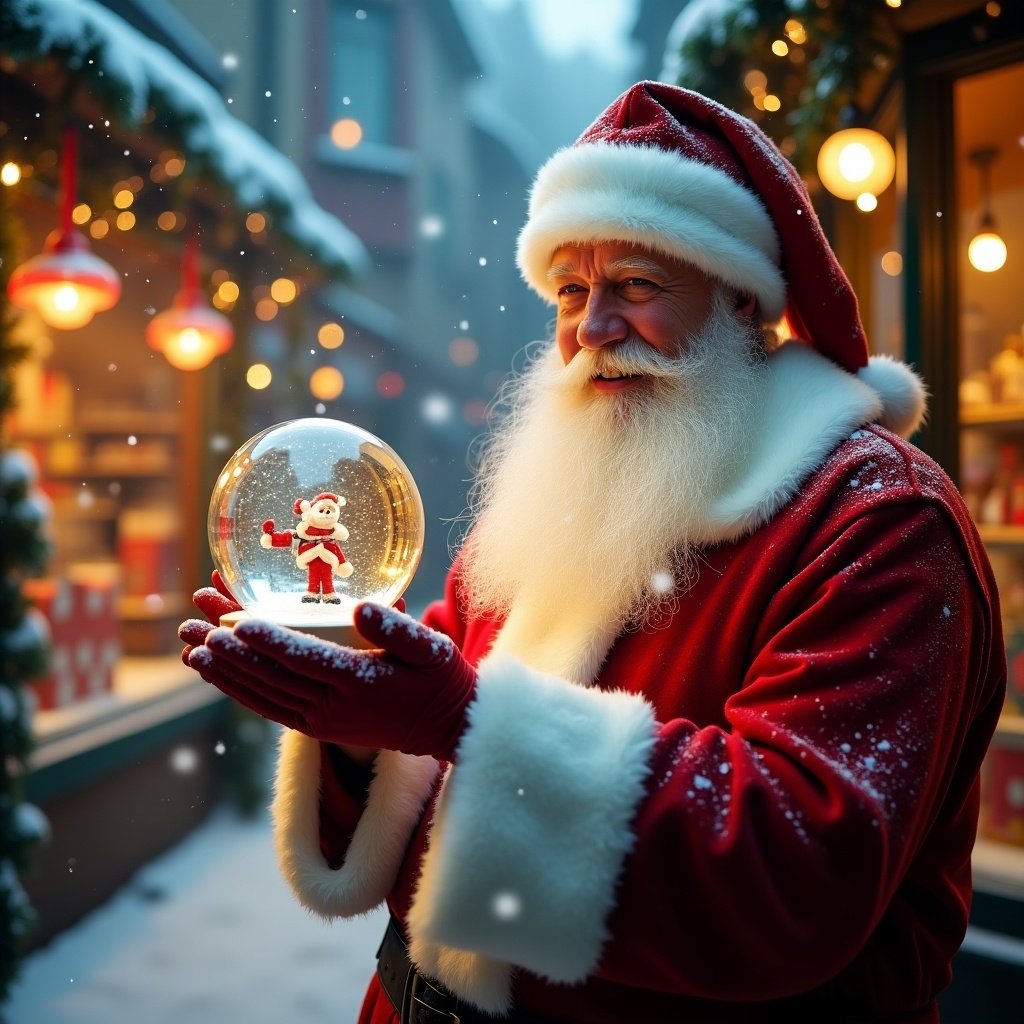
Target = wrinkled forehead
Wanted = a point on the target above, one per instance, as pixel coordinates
(616, 255)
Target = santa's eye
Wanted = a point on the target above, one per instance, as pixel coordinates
(638, 284)
(571, 289)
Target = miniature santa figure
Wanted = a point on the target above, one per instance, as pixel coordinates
(319, 536)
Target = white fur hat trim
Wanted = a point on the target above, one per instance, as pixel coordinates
(693, 211)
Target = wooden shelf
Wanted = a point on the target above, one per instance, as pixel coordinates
(90, 471)
(147, 609)
(128, 421)
(1010, 730)
(1002, 415)
(998, 868)
(1003, 534)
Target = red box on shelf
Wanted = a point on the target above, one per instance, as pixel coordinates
(148, 551)
(1002, 801)
(82, 611)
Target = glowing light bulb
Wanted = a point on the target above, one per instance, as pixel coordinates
(189, 340)
(854, 161)
(65, 299)
(987, 252)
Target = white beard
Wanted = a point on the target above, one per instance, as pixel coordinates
(592, 500)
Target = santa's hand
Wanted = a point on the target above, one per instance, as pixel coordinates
(410, 695)
(213, 602)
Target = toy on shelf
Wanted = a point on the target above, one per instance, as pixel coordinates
(1007, 371)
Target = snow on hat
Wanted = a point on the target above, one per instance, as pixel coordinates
(678, 173)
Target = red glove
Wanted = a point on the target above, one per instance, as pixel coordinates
(213, 602)
(410, 695)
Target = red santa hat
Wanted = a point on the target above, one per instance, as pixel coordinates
(304, 504)
(677, 173)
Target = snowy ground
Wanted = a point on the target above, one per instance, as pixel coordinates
(208, 934)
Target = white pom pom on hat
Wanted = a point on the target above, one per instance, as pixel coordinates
(675, 172)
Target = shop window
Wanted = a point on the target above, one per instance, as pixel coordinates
(989, 175)
(362, 73)
(101, 416)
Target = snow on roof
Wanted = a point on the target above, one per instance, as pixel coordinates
(699, 17)
(132, 74)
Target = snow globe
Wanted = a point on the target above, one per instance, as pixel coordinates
(310, 517)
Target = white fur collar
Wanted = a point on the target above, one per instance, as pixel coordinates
(810, 404)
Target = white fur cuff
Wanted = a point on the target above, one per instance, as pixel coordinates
(398, 792)
(534, 822)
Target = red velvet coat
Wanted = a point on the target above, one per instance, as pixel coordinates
(762, 810)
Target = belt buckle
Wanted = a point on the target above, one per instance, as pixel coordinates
(418, 1011)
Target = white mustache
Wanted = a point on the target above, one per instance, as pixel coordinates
(629, 358)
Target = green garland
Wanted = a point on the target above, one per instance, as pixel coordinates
(844, 45)
(24, 640)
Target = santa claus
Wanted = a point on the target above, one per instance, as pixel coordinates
(711, 753)
(317, 538)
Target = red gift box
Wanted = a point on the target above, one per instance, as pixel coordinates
(1002, 801)
(82, 610)
(148, 551)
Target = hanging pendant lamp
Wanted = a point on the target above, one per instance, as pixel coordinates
(66, 284)
(987, 250)
(190, 334)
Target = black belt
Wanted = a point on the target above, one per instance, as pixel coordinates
(418, 1000)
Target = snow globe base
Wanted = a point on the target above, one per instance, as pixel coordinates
(343, 633)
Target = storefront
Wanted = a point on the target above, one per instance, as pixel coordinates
(106, 135)
(960, 104)
(943, 82)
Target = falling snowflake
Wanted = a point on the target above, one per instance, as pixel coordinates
(431, 226)
(662, 582)
(506, 906)
(184, 760)
(436, 408)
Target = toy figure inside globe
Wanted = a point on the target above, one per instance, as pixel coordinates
(310, 517)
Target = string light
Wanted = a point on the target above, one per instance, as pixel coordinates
(330, 335)
(346, 133)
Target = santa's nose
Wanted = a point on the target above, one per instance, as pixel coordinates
(602, 323)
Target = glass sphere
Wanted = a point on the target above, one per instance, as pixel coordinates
(311, 516)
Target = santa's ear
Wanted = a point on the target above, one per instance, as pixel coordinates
(342, 501)
(301, 505)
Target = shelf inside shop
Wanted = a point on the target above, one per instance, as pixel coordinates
(1004, 414)
(1002, 534)
(128, 421)
(152, 606)
(1011, 728)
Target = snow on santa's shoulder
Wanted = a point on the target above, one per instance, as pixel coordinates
(149, 75)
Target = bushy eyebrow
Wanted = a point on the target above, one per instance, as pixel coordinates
(557, 271)
(630, 264)
(637, 264)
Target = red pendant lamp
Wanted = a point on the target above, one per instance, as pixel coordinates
(66, 284)
(190, 334)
